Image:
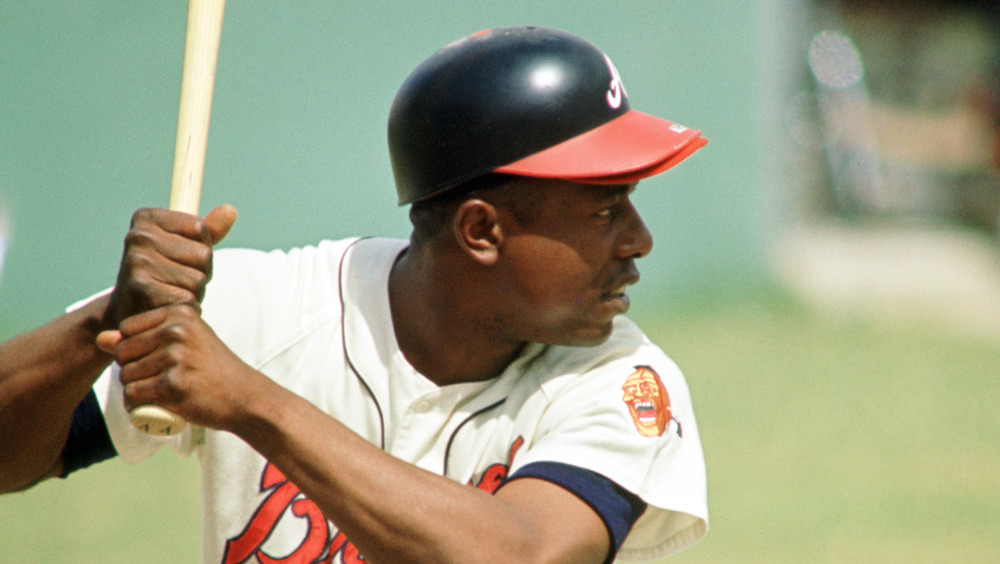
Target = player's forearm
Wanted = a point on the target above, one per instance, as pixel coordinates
(390, 510)
(44, 374)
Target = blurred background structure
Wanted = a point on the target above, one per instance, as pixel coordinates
(894, 157)
(826, 271)
(907, 99)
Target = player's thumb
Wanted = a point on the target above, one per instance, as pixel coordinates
(107, 340)
(219, 221)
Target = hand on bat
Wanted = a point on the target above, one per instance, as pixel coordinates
(167, 260)
(171, 358)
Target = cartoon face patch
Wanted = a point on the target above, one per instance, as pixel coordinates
(647, 401)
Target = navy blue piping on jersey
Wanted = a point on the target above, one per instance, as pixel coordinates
(617, 507)
(451, 439)
(343, 342)
(88, 442)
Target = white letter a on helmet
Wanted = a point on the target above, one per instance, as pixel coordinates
(616, 89)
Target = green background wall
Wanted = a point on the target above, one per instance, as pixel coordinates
(88, 104)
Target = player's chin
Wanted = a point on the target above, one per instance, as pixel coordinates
(592, 341)
(586, 326)
(591, 335)
(600, 320)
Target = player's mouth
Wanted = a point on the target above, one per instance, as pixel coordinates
(615, 296)
(618, 295)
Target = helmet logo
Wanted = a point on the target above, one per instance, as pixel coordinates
(616, 89)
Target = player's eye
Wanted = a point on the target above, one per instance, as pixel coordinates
(610, 211)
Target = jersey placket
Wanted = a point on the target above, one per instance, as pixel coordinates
(423, 428)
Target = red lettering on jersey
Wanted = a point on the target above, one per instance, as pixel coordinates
(497, 473)
(350, 555)
(264, 519)
(315, 548)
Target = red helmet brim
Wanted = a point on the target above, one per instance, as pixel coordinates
(624, 150)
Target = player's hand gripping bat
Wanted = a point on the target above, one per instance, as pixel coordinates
(201, 50)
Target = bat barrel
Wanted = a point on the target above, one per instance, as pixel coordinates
(201, 50)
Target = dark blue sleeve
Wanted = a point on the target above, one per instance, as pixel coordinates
(617, 507)
(88, 442)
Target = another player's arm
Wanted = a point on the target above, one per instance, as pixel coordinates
(44, 374)
(391, 511)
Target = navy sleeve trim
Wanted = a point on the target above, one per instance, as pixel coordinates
(617, 507)
(88, 442)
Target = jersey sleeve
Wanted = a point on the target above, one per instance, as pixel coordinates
(628, 417)
(88, 442)
(617, 507)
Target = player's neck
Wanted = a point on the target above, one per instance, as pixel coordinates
(438, 331)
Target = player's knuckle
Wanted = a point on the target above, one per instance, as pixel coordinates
(173, 297)
(174, 385)
(136, 260)
(141, 215)
(174, 333)
(170, 382)
(138, 236)
(201, 230)
(165, 296)
(138, 275)
(186, 311)
(129, 395)
(209, 269)
(138, 278)
(194, 306)
(201, 254)
(125, 374)
(139, 288)
(198, 279)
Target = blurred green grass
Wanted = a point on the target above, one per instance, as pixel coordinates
(109, 513)
(826, 441)
(840, 440)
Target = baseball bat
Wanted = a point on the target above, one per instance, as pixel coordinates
(201, 51)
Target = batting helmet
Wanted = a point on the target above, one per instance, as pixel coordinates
(528, 101)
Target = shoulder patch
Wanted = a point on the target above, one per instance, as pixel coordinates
(647, 401)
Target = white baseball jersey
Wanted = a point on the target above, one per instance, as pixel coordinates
(317, 321)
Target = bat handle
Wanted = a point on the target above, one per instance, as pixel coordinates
(201, 50)
(154, 420)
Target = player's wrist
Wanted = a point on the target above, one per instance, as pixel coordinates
(260, 410)
(94, 320)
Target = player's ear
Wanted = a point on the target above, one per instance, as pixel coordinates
(477, 230)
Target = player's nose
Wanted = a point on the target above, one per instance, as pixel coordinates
(635, 240)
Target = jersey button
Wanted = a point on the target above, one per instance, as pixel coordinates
(422, 406)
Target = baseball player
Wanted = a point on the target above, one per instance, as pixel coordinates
(470, 394)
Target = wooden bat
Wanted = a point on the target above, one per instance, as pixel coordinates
(201, 50)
